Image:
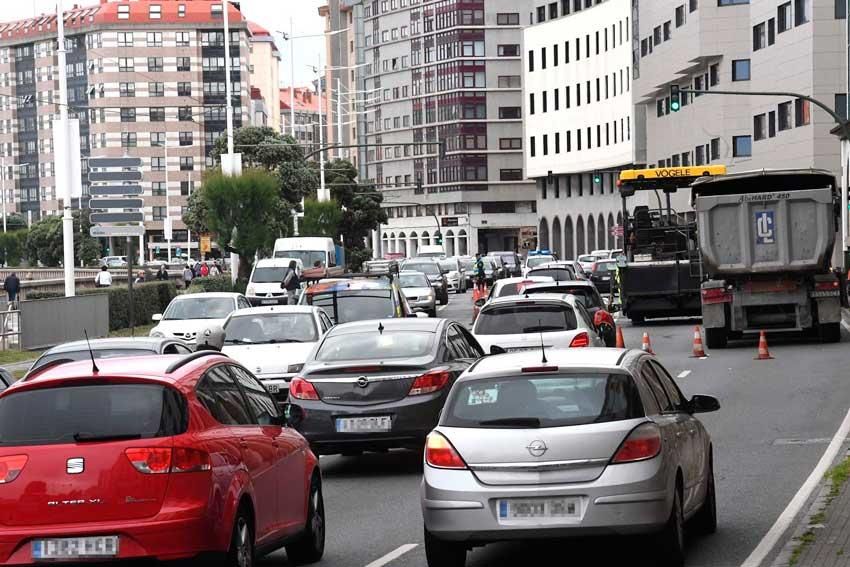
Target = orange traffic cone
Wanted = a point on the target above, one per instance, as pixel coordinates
(647, 346)
(621, 343)
(698, 351)
(764, 354)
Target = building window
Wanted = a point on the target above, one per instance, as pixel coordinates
(667, 32)
(127, 89)
(128, 140)
(692, 6)
(715, 149)
(157, 114)
(186, 138)
(157, 164)
(741, 70)
(510, 112)
(157, 139)
(783, 17)
(155, 12)
(732, 2)
(714, 75)
(759, 127)
(841, 105)
(509, 82)
(509, 50)
(184, 89)
(553, 10)
(699, 155)
(184, 113)
(156, 89)
(840, 9)
(531, 61)
(771, 124)
(183, 38)
(742, 146)
(510, 175)
(656, 35)
(124, 12)
(184, 64)
(154, 39)
(507, 19)
(125, 39)
(541, 14)
(532, 146)
(159, 213)
(545, 144)
(185, 187)
(802, 12)
(510, 143)
(158, 189)
(155, 64)
(785, 116)
(126, 64)
(802, 112)
(680, 16)
(472, 48)
(759, 37)
(187, 163)
(128, 115)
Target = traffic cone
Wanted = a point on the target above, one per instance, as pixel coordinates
(647, 346)
(621, 343)
(698, 351)
(764, 354)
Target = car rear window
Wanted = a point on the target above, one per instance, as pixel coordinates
(355, 305)
(557, 274)
(550, 401)
(84, 355)
(57, 415)
(530, 318)
(429, 268)
(375, 346)
(584, 294)
(538, 260)
(604, 267)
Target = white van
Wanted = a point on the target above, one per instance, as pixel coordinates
(264, 284)
(318, 255)
(431, 251)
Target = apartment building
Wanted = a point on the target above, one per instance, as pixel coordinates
(145, 78)
(264, 76)
(307, 110)
(580, 120)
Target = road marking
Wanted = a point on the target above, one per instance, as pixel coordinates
(845, 325)
(392, 555)
(442, 307)
(786, 518)
(684, 374)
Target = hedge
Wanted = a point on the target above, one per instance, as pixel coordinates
(211, 284)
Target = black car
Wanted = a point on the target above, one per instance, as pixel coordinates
(602, 275)
(589, 296)
(513, 265)
(435, 273)
(378, 385)
(6, 379)
(558, 272)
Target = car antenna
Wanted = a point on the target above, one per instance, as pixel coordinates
(94, 367)
(380, 328)
(542, 343)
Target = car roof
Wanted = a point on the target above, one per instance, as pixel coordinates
(584, 358)
(341, 284)
(275, 262)
(562, 283)
(398, 324)
(274, 309)
(535, 279)
(213, 295)
(551, 266)
(142, 343)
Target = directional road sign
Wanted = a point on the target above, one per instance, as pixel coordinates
(103, 163)
(129, 203)
(105, 231)
(116, 217)
(116, 190)
(95, 176)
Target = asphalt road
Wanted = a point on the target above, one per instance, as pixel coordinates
(776, 419)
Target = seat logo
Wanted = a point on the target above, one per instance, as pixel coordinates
(363, 382)
(537, 448)
(75, 466)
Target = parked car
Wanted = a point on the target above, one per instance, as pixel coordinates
(494, 269)
(455, 276)
(602, 275)
(517, 323)
(419, 292)
(376, 385)
(108, 348)
(189, 314)
(581, 442)
(6, 379)
(589, 296)
(359, 298)
(511, 261)
(171, 457)
(558, 271)
(601, 254)
(264, 283)
(431, 251)
(274, 342)
(114, 261)
(432, 269)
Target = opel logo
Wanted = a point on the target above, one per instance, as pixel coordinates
(363, 382)
(75, 466)
(537, 448)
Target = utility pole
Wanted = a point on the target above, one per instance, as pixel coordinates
(168, 226)
(291, 79)
(322, 191)
(62, 169)
(228, 85)
(338, 118)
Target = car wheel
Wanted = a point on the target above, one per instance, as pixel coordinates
(310, 545)
(706, 519)
(829, 332)
(441, 553)
(671, 540)
(444, 299)
(716, 338)
(432, 313)
(241, 552)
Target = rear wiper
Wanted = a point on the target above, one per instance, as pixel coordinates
(531, 422)
(83, 437)
(235, 341)
(541, 328)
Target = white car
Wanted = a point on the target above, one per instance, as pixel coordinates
(513, 286)
(189, 314)
(266, 277)
(534, 260)
(586, 262)
(274, 342)
(516, 323)
(455, 275)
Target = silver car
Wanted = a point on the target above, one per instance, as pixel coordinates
(419, 292)
(570, 442)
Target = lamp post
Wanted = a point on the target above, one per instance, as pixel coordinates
(3, 185)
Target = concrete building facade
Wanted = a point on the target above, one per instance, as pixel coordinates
(264, 74)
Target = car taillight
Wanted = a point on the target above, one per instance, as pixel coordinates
(11, 467)
(643, 443)
(301, 389)
(827, 286)
(602, 317)
(430, 382)
(439, 453)
(580, 340)
(189, 460)
(150, 460)
(716, 295)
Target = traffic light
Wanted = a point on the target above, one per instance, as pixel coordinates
(439, 236)
(597, 178)
(675, 98)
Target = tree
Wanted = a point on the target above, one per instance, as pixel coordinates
(321, 219)
(86, 247)
(44, 242)
(239, 212)
(12, 247)
(15, 221)
(196, 213)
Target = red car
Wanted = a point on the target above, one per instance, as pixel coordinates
(163, 457)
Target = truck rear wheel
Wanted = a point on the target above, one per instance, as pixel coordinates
(829, 332)
(716, 338)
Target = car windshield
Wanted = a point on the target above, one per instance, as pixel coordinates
(560, 274)
(268, 275)
(84, 355)
(507, 258)
(308, 257)
(199, 307)
(375, 345)
(271, 328)
(551, 401)
(467, 264)
(511, 289)
(355, 305)
(525, 318)
(413, 280)
(585, 295)
(427, 268)
(587, 258)
(103, 411)
(538, 260)
(449, 266)
(605, 267)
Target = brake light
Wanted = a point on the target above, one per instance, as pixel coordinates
(150, 460)
(643, 443)
(602, 317)
(716, 295)
(430, 382)
(11, 467)
(827, 286)
(580, 340)
(535, 369)
(439, 453)
(190, 460)
(301, 389)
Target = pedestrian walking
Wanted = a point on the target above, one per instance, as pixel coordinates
(140, 278)
(205, 270)
(103, 278)
(162, 274)
(291, 282)
(188, 276)
(214, 270)
(12, 285)
(196, 270)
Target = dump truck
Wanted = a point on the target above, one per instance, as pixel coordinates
(766, 239)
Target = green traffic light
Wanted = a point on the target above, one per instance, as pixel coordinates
(675, 106)
(597, 179)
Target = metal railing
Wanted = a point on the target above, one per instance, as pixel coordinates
(10, 327)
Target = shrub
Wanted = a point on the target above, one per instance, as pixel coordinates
(210, 285)
(35, 295)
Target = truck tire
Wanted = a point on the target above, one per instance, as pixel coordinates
(637, 319)
(829, 332)
(716, 338)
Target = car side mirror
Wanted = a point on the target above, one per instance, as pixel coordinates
(703, 404)
(293, 415)
(480, 302)
(496, 349)
(157, 317)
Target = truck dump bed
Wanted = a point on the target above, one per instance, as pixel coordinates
(766, 222)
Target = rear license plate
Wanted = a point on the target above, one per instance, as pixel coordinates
(74, 548)
(273, 388)
(606, 279)
(543, 510)
(269, 302)
(376, 424)
(525, 349)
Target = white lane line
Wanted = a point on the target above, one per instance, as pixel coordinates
(392, 555)
(786, 518)
(845, 325)
(684, 374)
(442, 307)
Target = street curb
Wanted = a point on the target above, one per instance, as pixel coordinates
(819, 505)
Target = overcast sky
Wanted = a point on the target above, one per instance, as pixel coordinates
(272, 14)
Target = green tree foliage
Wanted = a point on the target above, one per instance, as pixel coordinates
(15, 221)
(240, 212)
(12, 247)
(195, 216)
(44, 241)
(321, 219)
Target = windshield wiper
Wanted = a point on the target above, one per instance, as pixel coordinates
(541, 328)
(82, 437)
(235, 342)
(531, 422)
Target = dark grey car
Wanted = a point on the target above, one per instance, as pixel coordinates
(377, 385)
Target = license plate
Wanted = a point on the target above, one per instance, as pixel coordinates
(376, 424)
(269, 302)
(606, 279)
(538, 510)
(75, 548)
(273, 388)
(525, 349)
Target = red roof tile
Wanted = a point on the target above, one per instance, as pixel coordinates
(305, 100)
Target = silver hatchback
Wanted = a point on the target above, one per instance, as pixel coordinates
(570, 442)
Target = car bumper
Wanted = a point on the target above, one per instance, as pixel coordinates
(626, 499)
(454, 285)
(424, 305)
(412, 420)
(277, 386)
